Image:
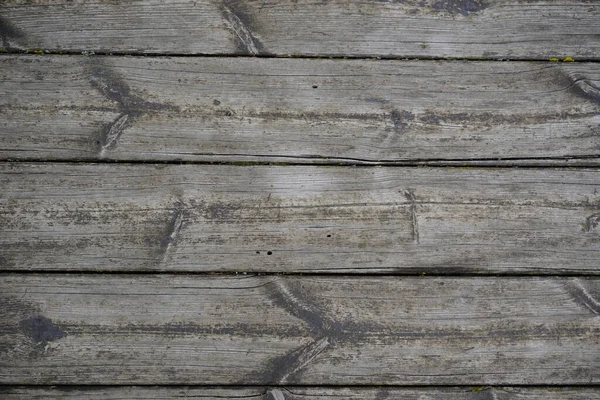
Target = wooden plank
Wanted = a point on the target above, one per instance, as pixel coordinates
(177, 329)
(298, 393)
(301, 111)
(156, 217)
(431, 28)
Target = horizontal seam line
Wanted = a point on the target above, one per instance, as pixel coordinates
(324, 386)
(91, 53)
(213, 273)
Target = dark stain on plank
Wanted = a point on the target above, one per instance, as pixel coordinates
(326, 332)
(242, 25)
(587, 90)
(129, 105)
(8, 31)
(432, 117)
(41, 329)
(220, 211)
(401, 119)
(455, 7)
(591, 223)
(584, 295)
(485, 394)
(286, 296)
(183, 329)
(376, 100)
(382, 394)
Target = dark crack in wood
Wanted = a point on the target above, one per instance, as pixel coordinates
(410, 196)
(173, 228)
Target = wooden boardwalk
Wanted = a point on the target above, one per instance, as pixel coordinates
(285, 200)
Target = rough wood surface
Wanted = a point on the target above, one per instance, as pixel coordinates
(142, 217)
(177, 329)
(491, 29)
(302, 111)
(299, 393)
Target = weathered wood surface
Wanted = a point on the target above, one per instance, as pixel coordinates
(300, 393)
(177, 329)
(157, 217)
(303, 111)
(431, 28)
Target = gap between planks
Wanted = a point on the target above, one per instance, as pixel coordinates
(279, 56)
(584, 162)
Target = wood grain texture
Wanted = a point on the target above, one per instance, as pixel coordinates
(302, 111)
(145, 217)
(299, 393)
(431, 28)
(177, 329)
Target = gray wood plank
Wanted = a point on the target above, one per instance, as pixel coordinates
(299, 393)
(156, 217)
(490, 29)
(301, 111)
(177, 329)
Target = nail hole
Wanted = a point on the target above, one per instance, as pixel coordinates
(269, 252)
(328, 235)
(315, 86)
(257, 252)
